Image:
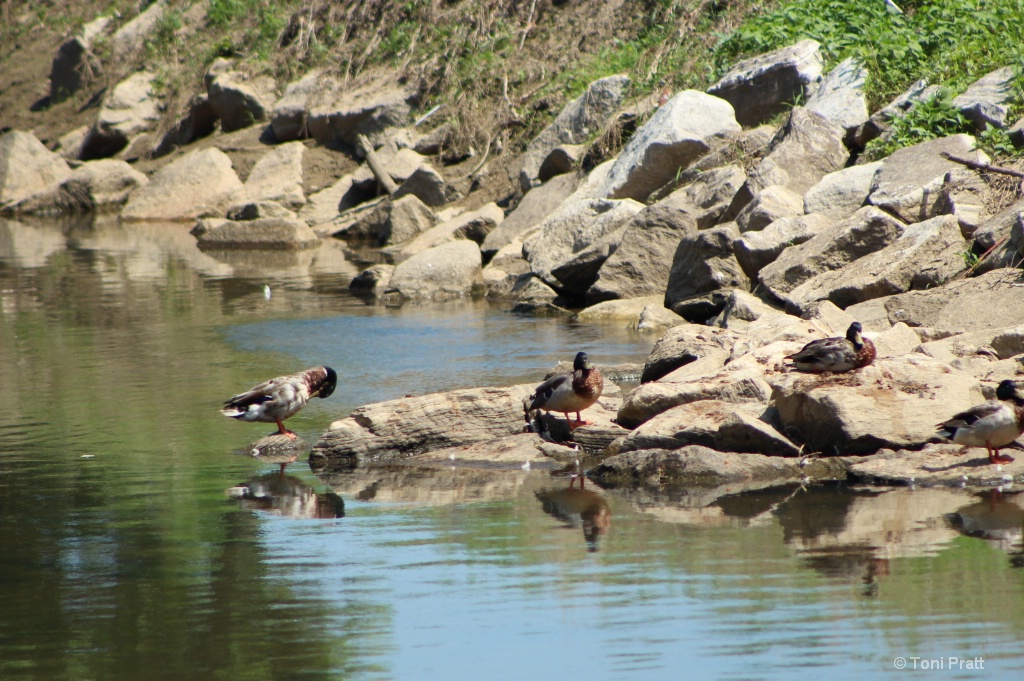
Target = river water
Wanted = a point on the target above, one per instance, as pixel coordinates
(137, 540)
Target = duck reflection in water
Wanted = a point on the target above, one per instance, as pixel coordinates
(288, 496)
(578, 507)
(998, 519)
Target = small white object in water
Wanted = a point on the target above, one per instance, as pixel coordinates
(451, 457)
(255, 451)
(88, 456)
(999, 468)
(266, 291)
(526, 466)
(1007, 477)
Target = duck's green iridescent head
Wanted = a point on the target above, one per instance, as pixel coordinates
(582, 362)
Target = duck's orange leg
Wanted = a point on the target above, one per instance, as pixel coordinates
(284, 431)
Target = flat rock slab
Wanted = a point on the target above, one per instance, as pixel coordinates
(939, 464)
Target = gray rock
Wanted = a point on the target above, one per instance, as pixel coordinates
(880, 121)
(261, 234)
(451, 269)
(741, 310)
(504, 270)
(766, 85)
(756, 250)
(574, 241)
(69, 145)
(963, 195)
(680, 132)
(925, 256)
(743, 431)
(624, 309)
(806, 149)
(95, 185)
(199, 184)
(684, 344)
(1007, 240)
(407, 217)
(371, 110)
(563, 159)
(534, 207)
(909, 182)
(198, 122)
(655, 318)
(866, 231)
(473, 225)
(936, 465)
(260, 209)
(428, 186)
(708, 196)
(840, 96)
(842, 193)
(704, 262)
(238, 102)
(642, 261)
(991, 301)
(994, 343)
(987, 100)
(289, 117)
(27, 167)
(575, 124)
(894, 402)
(130, 38)
(73, 66)
(381, 431)
(771, 204)
(129, 110)
(277, 177)
(693, 423)
(374, 280)
(700, 467)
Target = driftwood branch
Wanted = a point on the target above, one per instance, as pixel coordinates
(979, 165)
(376, 166)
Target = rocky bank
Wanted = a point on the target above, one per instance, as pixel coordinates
(733, 225)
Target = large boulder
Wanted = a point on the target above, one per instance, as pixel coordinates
(428, 186)
(451, 269)
(909, 182)
(72, 67)
(680, 132)
(129, 109)
(534, 207)
(271, 234)
(199, 184)
(987, 100)
(880, 121)
(704, 262)
(238, 101)
(289, 117)
(685, 344)
(766, 85)
(892, 403)
(570, 246)
(370, 110)
(95, 185)
(474, 225)
(991, 301)
(842, 193)
(277, 177)
(708, 195)
(1002, 238)
(925, 256)
(131, 37)
(866, 231)
(399, 428)
(27, 167)
(641, 263)
(771, 204)
(840, 96)
(804, 150)
(198, 121)
(575, 124)
(756, 250)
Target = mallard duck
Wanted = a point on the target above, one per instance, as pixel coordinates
(568, 393)
(992, 424)
(835, 354)
(280, 398)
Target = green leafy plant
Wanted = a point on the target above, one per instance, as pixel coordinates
(931, 118)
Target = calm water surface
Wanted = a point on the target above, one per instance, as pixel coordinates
(139, 542)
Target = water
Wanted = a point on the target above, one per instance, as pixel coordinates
(138, 542)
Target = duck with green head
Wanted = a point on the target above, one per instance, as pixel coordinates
(992, 424)
(835, 355)
(280, 398)
(568, 393)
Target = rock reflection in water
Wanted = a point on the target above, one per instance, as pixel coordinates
(431, 486)
(578, 508)
(287, 495)
(278, 448)
(998, 519)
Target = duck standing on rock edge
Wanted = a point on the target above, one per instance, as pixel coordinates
(568, 393)
(835, 355)
(992, 424)
(280, 398)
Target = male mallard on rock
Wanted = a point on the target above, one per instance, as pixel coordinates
(567, 393)
(991, 424)
(281, 397)
(835, 354)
